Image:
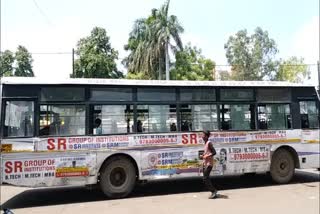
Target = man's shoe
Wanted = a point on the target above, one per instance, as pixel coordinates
(213, 195)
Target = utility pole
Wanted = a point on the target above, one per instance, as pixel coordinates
(319, 76)
(159, 69)
(73, 74)
(1, 72)
(318, 95)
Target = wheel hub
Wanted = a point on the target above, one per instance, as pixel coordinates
(283, 168)
(118, 176)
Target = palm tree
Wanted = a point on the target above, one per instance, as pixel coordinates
(150, 40)
(139, 60)
(164, 28)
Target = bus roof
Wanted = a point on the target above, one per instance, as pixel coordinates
(83, 81)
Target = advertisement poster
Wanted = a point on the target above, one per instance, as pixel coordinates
(185, 161)
(117, 142)
(170, 162)
(137, 141)
(43, 171)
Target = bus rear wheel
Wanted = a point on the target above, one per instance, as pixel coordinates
(117, 177)
(282, 166)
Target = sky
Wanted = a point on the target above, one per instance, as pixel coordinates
(47, 26)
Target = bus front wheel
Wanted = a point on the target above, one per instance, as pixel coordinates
(282, 166)
(117, 177)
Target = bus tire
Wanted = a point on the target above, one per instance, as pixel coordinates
(282, 166)
(250, 174)
(117, 177)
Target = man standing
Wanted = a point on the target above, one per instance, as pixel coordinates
(207, 157)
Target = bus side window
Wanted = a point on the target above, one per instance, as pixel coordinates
(19, 119)
(308, 114)
(97, 128)
(156, 118)
(198, 117)
(62, 120)
(112, 119)
(139, 126)
(274, 116)
(237, 116)
(304, 121)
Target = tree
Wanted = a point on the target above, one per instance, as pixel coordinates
(137, 76)
(166, 28)
(292, 70)
(140, 65)
(96, 57)
(6, 63)
(191, 65)
(23, 63)
(224, 75)
(251, 57)
(150, 41)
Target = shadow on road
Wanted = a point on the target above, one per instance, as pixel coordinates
(69, 195)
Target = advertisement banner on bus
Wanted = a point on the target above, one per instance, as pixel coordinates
(116, 142)
(31, 171)
(137, 141)
(185, 161)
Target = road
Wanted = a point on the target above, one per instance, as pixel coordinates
(240, 194)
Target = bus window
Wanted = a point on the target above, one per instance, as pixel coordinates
(112, 119)
(19, 119)
(197, 94)
(274, 116)
(156, 94)
(237, 117)
(239, 94)
(198, 117)
(309, 114)
(111, 94)
(62, 120)
(62, 94)
(156, 118)
(274, 94)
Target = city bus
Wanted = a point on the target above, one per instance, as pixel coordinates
(114, 133)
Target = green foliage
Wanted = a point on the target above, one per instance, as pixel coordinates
(23, 63)
(137, 76)
(96, 57)
(292, 70)
(191, 65)
(22, 59)
(149, 42)
(251, 57)
(225, 75)
(6, 63)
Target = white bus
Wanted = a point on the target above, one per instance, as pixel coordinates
(115, 133)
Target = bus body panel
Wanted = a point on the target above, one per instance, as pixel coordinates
(308, 154)
(69, 164)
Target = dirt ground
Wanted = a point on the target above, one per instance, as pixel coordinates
(239, 194)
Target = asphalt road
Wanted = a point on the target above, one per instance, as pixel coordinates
(239, 194)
